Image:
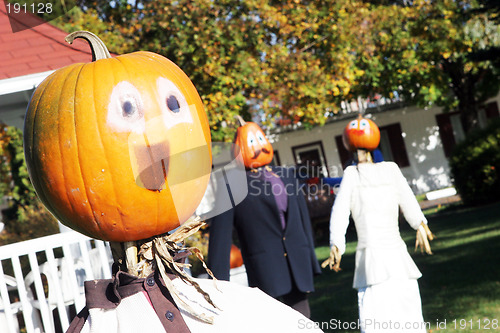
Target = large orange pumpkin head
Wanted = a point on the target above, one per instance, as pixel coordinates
(361, 133)
(256, 150)
(119, 148)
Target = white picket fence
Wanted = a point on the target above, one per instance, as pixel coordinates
(41, 280)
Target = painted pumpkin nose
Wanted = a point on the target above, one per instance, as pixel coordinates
(153, 162)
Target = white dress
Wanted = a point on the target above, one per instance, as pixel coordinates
(385, 275)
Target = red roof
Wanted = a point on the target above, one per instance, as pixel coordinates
(35, 50)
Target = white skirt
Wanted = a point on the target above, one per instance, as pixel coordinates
(391, 306)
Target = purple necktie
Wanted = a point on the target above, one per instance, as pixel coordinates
(279, 191)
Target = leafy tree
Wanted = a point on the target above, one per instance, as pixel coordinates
(474, 165)
(14, 172)
(25, 217)
(112, 32)
(5, 177)
(491, 8)
(278, 60)
(282, 61)
(427, 52)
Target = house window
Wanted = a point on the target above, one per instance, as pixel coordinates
(451, 129)
(385, 146)
(344, 154)
(458, 129)
(391, 145)
(447, 131)
(276, 159)
(310, 160)
(488, 112)
(394, 145)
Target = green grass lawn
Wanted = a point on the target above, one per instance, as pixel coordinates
(460, 282)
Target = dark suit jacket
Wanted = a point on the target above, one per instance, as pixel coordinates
(274, 258)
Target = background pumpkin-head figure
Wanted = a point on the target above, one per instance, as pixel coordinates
(255, 148)
(119, 148)
(360, 136)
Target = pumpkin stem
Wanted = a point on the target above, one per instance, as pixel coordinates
(97, 46)
(242, 122)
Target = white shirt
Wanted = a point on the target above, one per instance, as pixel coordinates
(242, 309)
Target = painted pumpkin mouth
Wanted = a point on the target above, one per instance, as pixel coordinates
(259, 151)
(358, 132)
(153, 161)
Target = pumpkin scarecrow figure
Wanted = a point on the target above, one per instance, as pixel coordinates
(273, 227)
(119, 149)
(385, 275)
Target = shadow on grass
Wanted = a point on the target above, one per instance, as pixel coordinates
(460, 281)
(335, 299)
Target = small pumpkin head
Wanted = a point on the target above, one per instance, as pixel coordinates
(361, 133)
(255, 149)
(118, 148)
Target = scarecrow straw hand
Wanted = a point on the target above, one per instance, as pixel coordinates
(334, 260)
(424, 235)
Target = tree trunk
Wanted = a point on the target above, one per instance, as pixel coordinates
(468, 105)
(463, 86)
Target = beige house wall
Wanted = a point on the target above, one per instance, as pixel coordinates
(428, 168)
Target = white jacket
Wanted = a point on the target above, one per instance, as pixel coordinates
(373, 193)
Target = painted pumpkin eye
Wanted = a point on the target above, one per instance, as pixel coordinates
(129, 109)
(251, 141)
(353, 124)
(125, 109)
(173, 104)
(175, 108)
(261, 138)
(363, 124)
